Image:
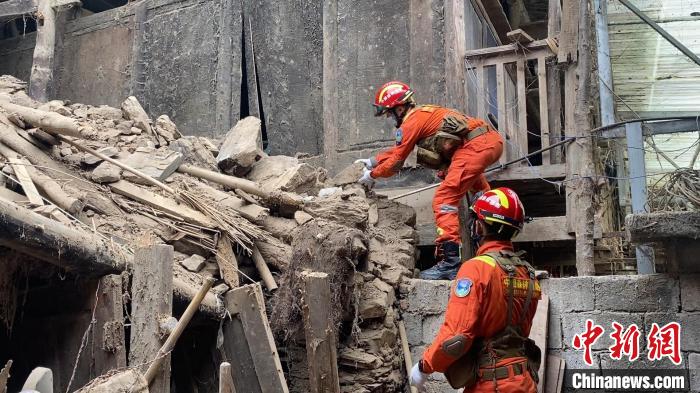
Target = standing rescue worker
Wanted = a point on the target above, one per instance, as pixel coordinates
(459, 146)
(482, 346)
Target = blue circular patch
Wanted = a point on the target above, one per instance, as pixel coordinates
(463, 287)
(399, 136)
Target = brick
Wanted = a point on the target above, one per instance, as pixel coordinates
(427, 296)
(690, 326)
(573, 324)
(641, 363)
(573, 294)
(646, 293)
(414, 328)
(431, 326)
(694, 366)
(554, 333)
(690, 292)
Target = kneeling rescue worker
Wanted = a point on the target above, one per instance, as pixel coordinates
(483, 344)
(459, 146)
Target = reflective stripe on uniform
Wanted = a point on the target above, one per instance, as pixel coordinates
(486, 259)
(445, 208)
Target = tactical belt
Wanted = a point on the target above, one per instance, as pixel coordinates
(502, 372)
(477, 132)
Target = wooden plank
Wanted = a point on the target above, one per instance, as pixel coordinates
(320, 333)
(544, 107)
(497, 18)
(19, 166)
(482, 91)
(225, 379)
(538, 332)
(237, 352)
(516, 56)
(227, 261)
(455, 48)
(502, 110)
(543, 229)
(553, 18)
(568, 38)
(519, 36)
(12, 196)
(570, 87)
(520, 132)
(13, 8)
(555, 374)
(506, 49)
(408, 361)
(158, 202)
(151, 301)
(108, 345)
(248, 302)
(556, 171)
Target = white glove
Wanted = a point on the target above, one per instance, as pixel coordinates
(366, 180)
(367, 162)
(418, 378)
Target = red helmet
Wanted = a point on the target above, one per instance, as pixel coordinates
(500, 206)
(391, 95)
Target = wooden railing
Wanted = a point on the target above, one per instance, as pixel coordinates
(513, 124)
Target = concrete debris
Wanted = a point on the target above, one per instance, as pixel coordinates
(106, 173)
(194, 263)
(158, 164)
(132, 110)
(365, 245)
(242, 147)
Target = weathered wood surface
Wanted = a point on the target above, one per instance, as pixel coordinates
(519, 36)
(151, 300)
(227, 261)
(661, 226)
(555, 374)
(50, 241)
(13, 8)
(256, 364)
(263, 270)
(48, 121)
(108, 345)
(42, 63)
(320, 334)
(225, 378)
(539, 333)
(19, 166)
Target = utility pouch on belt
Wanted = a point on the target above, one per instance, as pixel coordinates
(431, 153)
(465, 371)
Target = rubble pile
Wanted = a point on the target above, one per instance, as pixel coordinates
(230, 211)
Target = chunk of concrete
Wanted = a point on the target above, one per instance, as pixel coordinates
(242, 147)
(167, 129)
(376, 298)
(158, 164)
(302, 217)
(194, 151)
(349, 175)
(109, 151)
(651, 292)
(105, 112)
(132, 110)
(194, 263)
(283, 173)
(40, 380)
(106, 173)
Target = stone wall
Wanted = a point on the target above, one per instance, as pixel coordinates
(642, 300)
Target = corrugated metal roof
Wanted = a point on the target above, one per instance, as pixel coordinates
(651, 75)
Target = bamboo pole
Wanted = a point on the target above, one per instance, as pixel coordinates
(264, 270)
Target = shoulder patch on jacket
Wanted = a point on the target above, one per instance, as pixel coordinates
(462, 287)
(399, 136)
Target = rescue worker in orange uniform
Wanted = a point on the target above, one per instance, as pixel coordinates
(482, 346)
(449, 141)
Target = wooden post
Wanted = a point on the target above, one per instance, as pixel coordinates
(249, 345)
(481, 91)
(263, 270)
(502, 110)
(225, 379)
(109, 348)
(579, 163)
(331, 99)
(42, 63)
(539, 334)
(455, 48)
(544, 108)
(554, 83)
(151, 300)
(408, 361)
(520, 132)
(320, 333)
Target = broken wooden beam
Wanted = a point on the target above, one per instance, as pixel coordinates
(151, 299)
(225, 378)
(519, 36)
(50, 188)
(249, 345)
(263, 270)
(50, 241)
(408, 361)
(48, 121)
(19, 166)
(321, 342)
(227, 261)
(278, 198)
(14, 8)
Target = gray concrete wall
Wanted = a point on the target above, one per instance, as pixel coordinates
(626, 299)
(16, 56)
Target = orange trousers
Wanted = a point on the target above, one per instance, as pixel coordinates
(465, 173)
(522, 383)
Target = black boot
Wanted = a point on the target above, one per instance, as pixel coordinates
(449, 261)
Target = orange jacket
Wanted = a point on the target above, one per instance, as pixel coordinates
(483, 311)
(419, 123)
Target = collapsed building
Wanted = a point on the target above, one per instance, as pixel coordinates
(231, 160)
